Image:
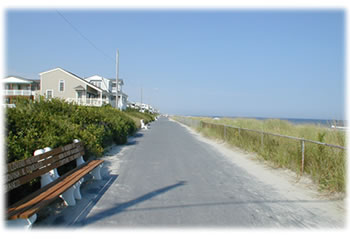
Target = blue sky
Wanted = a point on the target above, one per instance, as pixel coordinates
(250, 63)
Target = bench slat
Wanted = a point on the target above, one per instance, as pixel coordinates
(40, 194)
(26, 162)
(70, 182)
(41, 163)
(41, 190)
(55, 164)
(31, 206)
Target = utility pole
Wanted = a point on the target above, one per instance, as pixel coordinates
(117, 78)
(141, 96)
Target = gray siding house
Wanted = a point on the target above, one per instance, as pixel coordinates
(59, 83)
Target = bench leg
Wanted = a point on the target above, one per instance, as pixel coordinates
(96, 173)
(68, 196)
(46, 179)
(77, 194)
(21, 222)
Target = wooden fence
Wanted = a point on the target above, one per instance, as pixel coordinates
(201, 124)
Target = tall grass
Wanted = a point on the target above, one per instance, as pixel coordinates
(326, 165)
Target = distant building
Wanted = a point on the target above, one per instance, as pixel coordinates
(59, 83)
(142, 107)
(18, 86)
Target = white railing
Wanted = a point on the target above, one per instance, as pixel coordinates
(96, 102)
(19, 93)
(9, 105)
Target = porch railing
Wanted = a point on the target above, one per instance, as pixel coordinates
(19, 93)
(96, 102)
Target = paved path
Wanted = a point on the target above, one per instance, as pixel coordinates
(167, 177)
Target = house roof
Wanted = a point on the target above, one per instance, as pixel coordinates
(104, 81)
(95, 77)
(72, 74)
(17, 80)
(80, 87)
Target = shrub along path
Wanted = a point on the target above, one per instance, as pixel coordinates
(53, 123)
(169, 176)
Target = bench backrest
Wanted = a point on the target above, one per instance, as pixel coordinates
(23, 171)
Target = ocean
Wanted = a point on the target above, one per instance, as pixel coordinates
(323, 122)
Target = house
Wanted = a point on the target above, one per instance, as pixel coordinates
(117, 89)
(142, 107)
(59, 83)
(18, 86)
(131, 105)
(105, 84)
(101, 82)
(111, 86)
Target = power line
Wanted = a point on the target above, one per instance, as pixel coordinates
(87, 39)
(84, 37)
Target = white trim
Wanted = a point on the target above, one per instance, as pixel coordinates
(50, 71)
(59, 85)
(16, 80)
(48, 90)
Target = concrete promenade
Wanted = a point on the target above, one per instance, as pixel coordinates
(166, 177)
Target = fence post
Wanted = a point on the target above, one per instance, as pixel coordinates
(224, 132)
(302, 155)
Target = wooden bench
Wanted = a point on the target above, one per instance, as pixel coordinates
(23, 212)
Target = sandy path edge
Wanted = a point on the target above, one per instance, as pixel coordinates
(287, 182)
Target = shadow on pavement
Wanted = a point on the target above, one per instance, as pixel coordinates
(123, 206)
(137, 135)
(133, 142)
(233, 203)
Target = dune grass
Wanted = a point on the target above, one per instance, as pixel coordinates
(326, 165)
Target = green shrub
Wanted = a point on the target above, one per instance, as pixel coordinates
(137, 116)
(53, 123)
(34, 125)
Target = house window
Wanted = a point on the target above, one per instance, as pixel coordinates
(49, 94)
(79, 94)
(61, 86)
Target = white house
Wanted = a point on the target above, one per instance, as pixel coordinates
(18, 86)
(142, 107)
(101, 82)
(117, 89)
(110, 85)
(105, 84)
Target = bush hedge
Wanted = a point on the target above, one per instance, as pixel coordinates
(137, 116)
(35, 125)
(53, 123)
